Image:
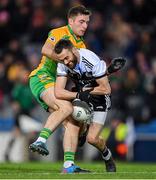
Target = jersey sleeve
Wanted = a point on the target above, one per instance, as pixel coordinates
(62, 70)
(99, 69)
(53, 37)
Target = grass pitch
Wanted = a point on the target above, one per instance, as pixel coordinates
(52, 171)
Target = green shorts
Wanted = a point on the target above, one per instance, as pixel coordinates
(39, 83)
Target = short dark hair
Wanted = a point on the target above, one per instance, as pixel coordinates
(80, 9)
(62, 44)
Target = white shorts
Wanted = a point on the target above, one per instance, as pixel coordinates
(99, 117)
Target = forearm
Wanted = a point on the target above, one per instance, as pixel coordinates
(103, 87)
(65, 94)
(49, 52)
(101, 91)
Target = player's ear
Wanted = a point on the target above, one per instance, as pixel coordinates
(70, 21)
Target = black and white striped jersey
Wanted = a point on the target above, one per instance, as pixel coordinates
(86, 71)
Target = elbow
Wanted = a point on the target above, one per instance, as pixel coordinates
(106, 90)
(109, 91)
(58, 94)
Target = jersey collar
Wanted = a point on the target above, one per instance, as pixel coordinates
(74, 36)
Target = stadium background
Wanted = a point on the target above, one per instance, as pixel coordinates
(117, 28)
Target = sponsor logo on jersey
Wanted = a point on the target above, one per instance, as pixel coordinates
(44, 77)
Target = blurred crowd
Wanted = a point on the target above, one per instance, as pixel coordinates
(117, 28)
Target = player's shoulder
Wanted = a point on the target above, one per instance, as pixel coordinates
(58, 30)
(88, 55)
(86, 51)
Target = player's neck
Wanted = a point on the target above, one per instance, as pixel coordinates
(76, 37)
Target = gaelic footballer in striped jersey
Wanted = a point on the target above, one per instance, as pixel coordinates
(89, 75)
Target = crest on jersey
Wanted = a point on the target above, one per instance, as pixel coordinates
(52, 38)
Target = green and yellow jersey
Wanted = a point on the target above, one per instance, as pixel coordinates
(54, 36)
(44, 76)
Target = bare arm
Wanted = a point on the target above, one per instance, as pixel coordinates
(103, 87)
(48, 51)
(61, 92)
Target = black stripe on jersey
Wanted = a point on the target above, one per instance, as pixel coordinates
(87, 62)
(83, 59)
(100, 76)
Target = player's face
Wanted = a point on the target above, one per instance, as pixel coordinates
(68, 58)
(79, 24)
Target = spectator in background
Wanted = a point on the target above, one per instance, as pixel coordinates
(116, 138)
(137, 11)
(2, 80)
(38, 28)
(118, 34)
(145, 43)
(5, 19)
(22, 103)
(57, 16)
(150, 86)
(59, 9)
(21, 89)
(134, 95)
(94, 37)
(21, 15)
(120, 6)
(14, 48)
(151, 101)
(6, 84)
(118, 105)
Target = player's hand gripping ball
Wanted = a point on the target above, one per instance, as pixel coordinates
(82, 112)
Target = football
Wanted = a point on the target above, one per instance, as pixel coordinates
(82, 112)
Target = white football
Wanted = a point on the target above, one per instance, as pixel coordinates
(82, 112)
